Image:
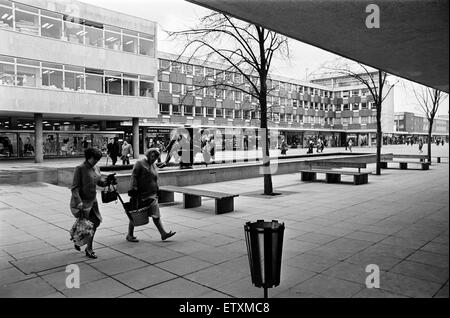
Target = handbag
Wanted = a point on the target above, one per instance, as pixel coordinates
(109, 194)
(82, 231)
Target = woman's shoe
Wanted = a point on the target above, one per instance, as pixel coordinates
(76, 247)
(132, 239)
(167, 235)
(90, 254)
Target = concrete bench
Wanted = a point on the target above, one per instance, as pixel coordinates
(421, 158)
(404, 164)
(334, 176)
(193, 198)
(328, 164)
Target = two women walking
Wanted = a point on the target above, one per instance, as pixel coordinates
(144, 189)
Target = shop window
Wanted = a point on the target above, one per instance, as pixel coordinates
(130, 85)
(113, 38)
(51, 24)
(164, 109)
(74, 32)
(113, 83)
(27, 72)
(26, 145)
(146, 88)
(146, 44)
(7, 76)
(27, 20)
(6, 15)
(94, 34)
(94, 81)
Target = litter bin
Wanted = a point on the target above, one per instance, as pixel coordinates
(264, 246)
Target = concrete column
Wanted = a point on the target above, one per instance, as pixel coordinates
(369, 141)
(38, 137)
(136, 138)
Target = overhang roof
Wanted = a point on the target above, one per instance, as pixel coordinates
(412, 41)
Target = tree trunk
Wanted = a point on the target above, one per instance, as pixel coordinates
(430, 129)
(268, 188)
(379, 140)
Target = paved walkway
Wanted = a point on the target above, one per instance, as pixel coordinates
(399, 221)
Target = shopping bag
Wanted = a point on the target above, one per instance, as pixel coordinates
(82, 230)
(109, 194)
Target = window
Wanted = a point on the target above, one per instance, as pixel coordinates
(363, 105)
(219, 93)
(176, 109)
(27, 19)
(6, 15)
(209, 111)
(73, 78)
(52, 75)
(219, 112)
(198, 70)
(229, 95)
(198, 111)
(164, 109)
(146, 44)
(238, 96)
(113, 83)
(237, 114)
(176, 67)
(164, 65)
(7, 76)
(94, 80)
(345, 120)
(189, 69)
(27, 72)
(113, 38)
(198, 91)
(229, 113)
(94, 33)
(247, 114)
(51, 24)
(209, 72)
(210, 91)
(176, 88)
(188, 110)
(130, 85)
(164, 86)
(346, 107)
(130, 41)
(73, 31)
(146, 86)
(364, 120)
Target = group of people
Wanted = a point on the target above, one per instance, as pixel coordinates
(143, 191)
(115, 150)
(319, 145)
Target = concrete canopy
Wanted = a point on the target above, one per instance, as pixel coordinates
(411, 42)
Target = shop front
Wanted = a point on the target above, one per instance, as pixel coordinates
(56, 144)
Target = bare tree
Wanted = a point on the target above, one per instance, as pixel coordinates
(429, 100)
(375, 81)
(246, 49)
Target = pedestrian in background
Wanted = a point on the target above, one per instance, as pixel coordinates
(350, 144)
(127, 152)
(83, 202)
(114, 150)
(420, 145)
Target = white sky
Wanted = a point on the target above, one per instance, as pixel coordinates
(175, 15)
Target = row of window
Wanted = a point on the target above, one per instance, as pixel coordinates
(33, 73)
(233, 77)
(30, 20)
(167, 109)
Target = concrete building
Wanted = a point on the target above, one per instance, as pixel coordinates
(69, 74)
(409, 125)
(73, 75)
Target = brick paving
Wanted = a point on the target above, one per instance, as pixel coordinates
(399, 221)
